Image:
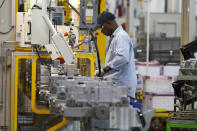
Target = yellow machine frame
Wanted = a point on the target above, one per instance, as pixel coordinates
(101, 39)
(92, 59)
(17, 56)
(59, 125)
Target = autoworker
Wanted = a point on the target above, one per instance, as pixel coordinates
(119, 61)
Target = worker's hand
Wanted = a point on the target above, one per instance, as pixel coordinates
(103, 71)
(96, 73)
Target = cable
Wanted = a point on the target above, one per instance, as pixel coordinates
(93, 38)
(4, 33)
(42, 63)
(2, 3)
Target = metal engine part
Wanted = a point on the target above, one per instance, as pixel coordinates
(189, 67)
(77, 91)
(102, 112)
(103, 104)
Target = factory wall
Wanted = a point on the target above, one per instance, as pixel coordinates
(170, 24)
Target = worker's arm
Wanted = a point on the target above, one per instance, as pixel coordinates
(115, 64)
(122, 52)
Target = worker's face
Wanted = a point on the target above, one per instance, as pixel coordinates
(106, 29)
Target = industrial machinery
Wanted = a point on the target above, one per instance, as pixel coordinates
(48, 91)
(185, 115)
(163, 49)
(57, 90)
(40, 23)
(87, 99)
(88, 11)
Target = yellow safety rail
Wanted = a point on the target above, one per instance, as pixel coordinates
(92, 62)
(162, 113)
(33, 88)
(59, 125)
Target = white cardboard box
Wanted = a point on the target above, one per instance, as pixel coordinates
(158, 85)
(159, 102)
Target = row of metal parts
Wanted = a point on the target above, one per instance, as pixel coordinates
(189, 67)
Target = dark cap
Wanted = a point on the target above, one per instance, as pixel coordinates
(103, 18)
